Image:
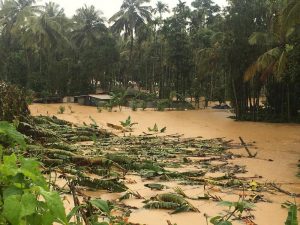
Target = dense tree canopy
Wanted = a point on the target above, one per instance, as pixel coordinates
(246, 53)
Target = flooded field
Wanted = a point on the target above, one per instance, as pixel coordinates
(277, 145)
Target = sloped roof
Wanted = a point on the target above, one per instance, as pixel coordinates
(101, 96)
(97, 96)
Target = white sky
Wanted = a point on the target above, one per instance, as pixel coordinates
(108, 7)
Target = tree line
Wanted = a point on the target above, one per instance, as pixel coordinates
(247, 52)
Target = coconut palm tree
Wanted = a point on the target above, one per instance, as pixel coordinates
(275, 59)
(161, 8)
(132, 15)
(291, 13)
(47, 27)
(14, 13)
(279, 43)
(89, 25)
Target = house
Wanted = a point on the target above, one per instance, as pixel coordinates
(93, 99)
(68, 99)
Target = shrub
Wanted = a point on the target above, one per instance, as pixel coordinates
(134, 105)
(61, 109)
(70, 108)
(26, 198)
(143, 105)
(109, 106)
(13, 102)
(162, 104)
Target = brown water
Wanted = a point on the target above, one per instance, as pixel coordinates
(279, 142)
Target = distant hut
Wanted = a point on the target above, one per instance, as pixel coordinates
(68, 99)
(93, 99)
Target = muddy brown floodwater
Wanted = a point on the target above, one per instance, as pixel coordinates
(279, 142)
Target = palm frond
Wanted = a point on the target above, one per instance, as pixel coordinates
(291, 15)
(264, 64)
(259, 38)
(250, 72)
(281, 64)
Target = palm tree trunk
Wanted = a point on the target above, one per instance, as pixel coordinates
(130, 57)
(288, 103)
(237, 110)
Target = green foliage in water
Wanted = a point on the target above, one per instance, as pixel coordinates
(234, 207)
(292, 216)
(61, 109)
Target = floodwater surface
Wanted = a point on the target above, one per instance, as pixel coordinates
(277, 145)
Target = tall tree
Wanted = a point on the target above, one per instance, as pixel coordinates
(132, 15)
(89, 25)
(160, 8)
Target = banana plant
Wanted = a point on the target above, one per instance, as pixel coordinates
(128, 123)
(155, 129)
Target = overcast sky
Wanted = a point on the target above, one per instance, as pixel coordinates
(108, 7)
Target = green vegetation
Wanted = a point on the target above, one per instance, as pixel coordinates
(155, 129)
(25, 195)
(13, 102)
(197, 50)
(61, 109)
(57, 144)
(292, 216)
(236, 207)
(128, 123)
(247, 53)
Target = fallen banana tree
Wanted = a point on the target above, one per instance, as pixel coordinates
(93, 158)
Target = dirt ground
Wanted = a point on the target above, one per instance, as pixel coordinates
(278, 142)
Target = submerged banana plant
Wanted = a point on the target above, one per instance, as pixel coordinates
(170, 201)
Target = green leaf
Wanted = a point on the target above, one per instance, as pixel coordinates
(30, 169)
(12, 209)
(155, 128)
(183, 208)
(224, 223)
(9, 166)
(227, 203)
(73, 212)
(17, 207)
(292, 216)
(101, 204)
(29, 204)
(155, 186)
(55, 205)
(163, 130)
(218, 220)
(11, 190)
(102, 223)
(47, 218)
(10, 136)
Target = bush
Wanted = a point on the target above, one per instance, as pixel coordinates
(70, 108)
(26, 198)
(61, 109)
(162, 104)
(13, 102)
(134, 105)
(109, 106)
(143, 105)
